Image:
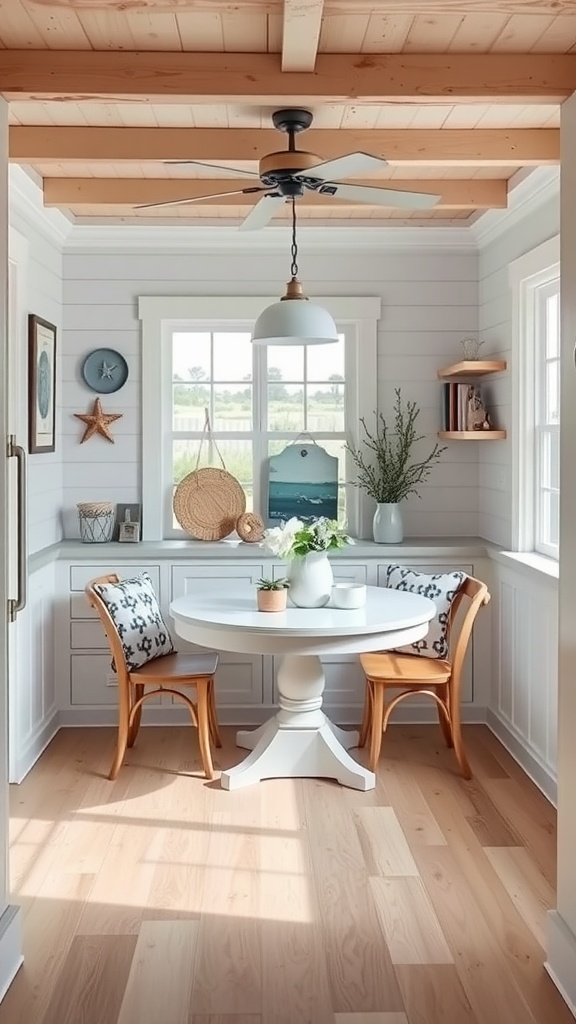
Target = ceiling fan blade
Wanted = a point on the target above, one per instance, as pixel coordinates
(198, 199)
(379, 196)
(348, 166)
(230, 171)
(261, 214)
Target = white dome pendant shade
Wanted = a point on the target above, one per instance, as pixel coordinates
(294, 320)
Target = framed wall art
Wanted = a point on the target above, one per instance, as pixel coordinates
(41, 385)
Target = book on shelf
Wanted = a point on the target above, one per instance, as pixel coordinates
(456, 401)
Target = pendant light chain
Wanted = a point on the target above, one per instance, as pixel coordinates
(294, 246)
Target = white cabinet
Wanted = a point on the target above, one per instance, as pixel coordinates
(245, 685)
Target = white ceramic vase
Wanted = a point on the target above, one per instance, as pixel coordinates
(311, 580)
(387, 524)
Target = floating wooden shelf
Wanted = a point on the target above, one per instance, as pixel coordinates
(473, 368)
(472, 435)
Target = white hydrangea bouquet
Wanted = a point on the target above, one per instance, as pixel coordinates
(295, 539)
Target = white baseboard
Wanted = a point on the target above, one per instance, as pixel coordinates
(541, 775)
(561, 960)
(10, 947)
(35, 745)
(255, 714)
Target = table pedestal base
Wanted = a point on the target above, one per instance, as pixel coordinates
(280, 753)
(299, 742)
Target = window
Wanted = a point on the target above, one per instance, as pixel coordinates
(535, 278)
(258, 398)
(547, 418)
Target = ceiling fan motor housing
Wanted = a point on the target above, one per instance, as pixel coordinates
(278, 170)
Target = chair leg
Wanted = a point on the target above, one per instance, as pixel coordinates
(444, 723)
(133, 730)
(122, 737)
(365, 727)
(212, 716)
(459, 744)
(377, 725)
(204, 727)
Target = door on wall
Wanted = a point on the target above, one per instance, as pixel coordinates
(16, 498)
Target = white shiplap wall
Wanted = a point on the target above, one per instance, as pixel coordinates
(536, 221)
(38, 251)
(429, 302)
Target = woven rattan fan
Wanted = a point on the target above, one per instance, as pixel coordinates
(207, 502)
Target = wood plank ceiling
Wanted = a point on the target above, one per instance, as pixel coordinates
(461, 97)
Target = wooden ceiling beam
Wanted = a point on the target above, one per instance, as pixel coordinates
(257, 77)
(301, 23)
(528, 147)
(479, 194)
(434, 7)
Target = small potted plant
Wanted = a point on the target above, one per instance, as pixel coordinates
(271, 595)
(389, 471)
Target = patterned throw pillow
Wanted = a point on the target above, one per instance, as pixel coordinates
(440, 588)
(134, 609)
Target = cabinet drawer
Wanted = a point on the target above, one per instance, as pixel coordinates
(202, 579)
(80, 575)
(87, 636)
(79, 607)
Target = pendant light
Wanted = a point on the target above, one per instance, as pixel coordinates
(294, 320)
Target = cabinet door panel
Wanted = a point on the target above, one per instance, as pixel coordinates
(79, 607)
(89, 675)
(239, 679)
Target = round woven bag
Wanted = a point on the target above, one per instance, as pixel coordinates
(207, 503)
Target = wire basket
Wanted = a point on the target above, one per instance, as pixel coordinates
(96, 520)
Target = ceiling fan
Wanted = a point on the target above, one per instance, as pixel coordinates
(288, 174)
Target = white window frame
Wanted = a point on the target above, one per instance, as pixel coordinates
(527, 275)
(358, 317)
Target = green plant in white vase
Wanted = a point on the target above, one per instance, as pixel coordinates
(389, 471)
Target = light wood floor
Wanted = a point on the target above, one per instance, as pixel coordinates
(162, 899)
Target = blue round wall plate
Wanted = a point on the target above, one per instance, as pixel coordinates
(105, 371)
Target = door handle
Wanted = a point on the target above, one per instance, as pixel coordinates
(15, 605)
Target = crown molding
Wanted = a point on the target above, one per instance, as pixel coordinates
(216, 237)
(25, 198)
(542, 184)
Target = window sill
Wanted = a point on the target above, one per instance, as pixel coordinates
(529, 563)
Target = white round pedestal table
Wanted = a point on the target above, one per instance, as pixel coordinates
(300, 741)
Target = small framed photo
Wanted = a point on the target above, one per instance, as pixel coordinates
(41, 385)
(128, 522)
(129, 532)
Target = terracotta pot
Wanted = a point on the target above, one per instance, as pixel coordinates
(271, 600)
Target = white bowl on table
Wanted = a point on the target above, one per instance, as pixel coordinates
(348, 595)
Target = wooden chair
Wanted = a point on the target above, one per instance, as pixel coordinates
(437, 678)
(165, 674)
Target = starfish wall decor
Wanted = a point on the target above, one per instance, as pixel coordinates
(98, 422)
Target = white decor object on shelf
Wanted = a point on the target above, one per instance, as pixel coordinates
(387, 524)
(471, 347)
